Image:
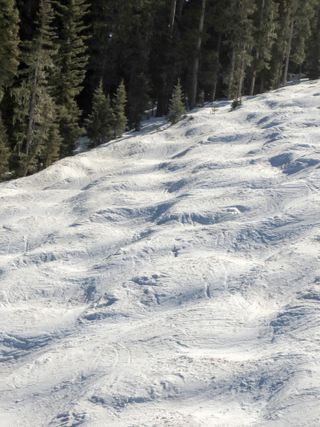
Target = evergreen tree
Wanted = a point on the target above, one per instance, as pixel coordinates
(218, 47)
(35, 110)
(138, 99)
(294, 31)
(71, 63)
(101, 120)
(9, 40)
(138, 18)
(102, 62)
(176, 109)
(51, 135)
(313, 59)
(213, 56)
(264, 39)
(240, 37)
(119, 111)
(196, 59)
(166, 51)
(4, 151)
(302, 31)
(280, 47)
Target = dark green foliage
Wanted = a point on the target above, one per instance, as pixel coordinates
(101, 121)
(293, 35)
(313, 57)
(302, 29)
(35, 110)
(176, 109)
(9, 40)
(9, 57)
(236, 103)
(218, 47)
(119, 111)
(138, 99)
(53, 139)
(208, 77)
(71, 61)
(265, 37)
(240, 38)
(4, 151)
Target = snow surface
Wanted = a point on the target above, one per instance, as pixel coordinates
(170, 278)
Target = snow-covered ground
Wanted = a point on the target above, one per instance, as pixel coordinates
(171, 278)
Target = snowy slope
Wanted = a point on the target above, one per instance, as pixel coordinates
(171, 278)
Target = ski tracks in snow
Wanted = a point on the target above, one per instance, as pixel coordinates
(169, 278)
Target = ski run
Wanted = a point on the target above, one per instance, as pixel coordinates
(170, 277)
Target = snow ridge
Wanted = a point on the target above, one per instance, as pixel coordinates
(170, 278)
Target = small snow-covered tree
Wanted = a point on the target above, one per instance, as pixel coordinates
(176, 108)
(100, 121)
(119, 111)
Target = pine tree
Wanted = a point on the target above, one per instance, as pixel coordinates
(264, 39)
(101, 120)
(119, 111)
(293, 34)
(196, 59)
(291, 16)
(304, 14)
(219, 47)
(176, 109)
(35, 110)
(71, 63)
(213, 59)
(280, 47)
(4, 151)
(241, 42)
(313, 60)
(51, 135)
(100, 46)
(137, 98)
(136, 27)
(166, 51)
(9, 40)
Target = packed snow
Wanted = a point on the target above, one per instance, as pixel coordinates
(169, 278)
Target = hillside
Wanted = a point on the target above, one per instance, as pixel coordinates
(170, 278)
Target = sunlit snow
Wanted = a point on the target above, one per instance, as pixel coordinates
(170, 278)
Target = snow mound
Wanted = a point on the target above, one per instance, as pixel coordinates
(169, 278)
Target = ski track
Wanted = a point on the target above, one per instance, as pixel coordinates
(169, 278)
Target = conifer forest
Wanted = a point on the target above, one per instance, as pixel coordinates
(70, 68)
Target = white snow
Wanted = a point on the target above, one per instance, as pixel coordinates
(170, 278)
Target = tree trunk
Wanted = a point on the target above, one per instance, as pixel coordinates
(172, 15)
(257, 55)
(32, 105)
(262, 88)
(180, 8)
(195, 69)
(241, 75)
(253, 81)
(288, 53)
(215, 84)
(231, 77)
(169, 73)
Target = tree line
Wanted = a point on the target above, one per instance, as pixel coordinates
(70, 67)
